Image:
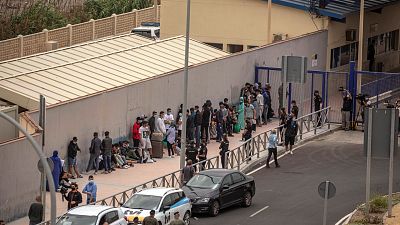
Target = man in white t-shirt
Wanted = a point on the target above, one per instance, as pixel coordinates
(145, 143)
(160, 125)
(260, 101)
(168, 119)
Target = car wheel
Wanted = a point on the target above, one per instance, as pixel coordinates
(247, 199)
(186, 218)
(214, 210)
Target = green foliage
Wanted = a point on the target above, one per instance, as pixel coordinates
(104, 8)
(378, 204)
(36, 18)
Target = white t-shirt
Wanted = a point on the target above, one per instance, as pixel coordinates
(168, 119)
(260, 99)
(144, 133)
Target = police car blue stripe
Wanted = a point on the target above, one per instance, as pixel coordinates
(181, 202)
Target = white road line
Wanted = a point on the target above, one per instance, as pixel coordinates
(263, 166)
(266, 207)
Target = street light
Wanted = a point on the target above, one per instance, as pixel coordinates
(43, 160)
(185, 87)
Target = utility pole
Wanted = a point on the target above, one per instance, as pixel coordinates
(360, 44)
(269, 21)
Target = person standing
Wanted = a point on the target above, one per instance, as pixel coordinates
(35, 213)
(291, 132)
(202, 156)
(187, 172)
(224, 148)
(106, 146)
(317, 106)
(160, 125)
(171, 132)
(150, 220)
(90, 190)
(74, 197)
(177, 220)
(73, 149)
(260, 102)
(273, 148)
(179, 123)
(205, 122)
(145, 143)
(346, 112)
(57, 169)
(197, 123)
(135, 132)
(220, 121)
(95, 151)
(371, 55)
(240, 112)
(268, 103)
(295, 109)
(246, 136)
(249, 112)
(190, 124)
(152, 123)
(282, 121)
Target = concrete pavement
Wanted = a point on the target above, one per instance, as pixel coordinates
(288, 195)
(123, 179)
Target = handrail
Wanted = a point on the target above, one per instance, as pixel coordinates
(238, 155)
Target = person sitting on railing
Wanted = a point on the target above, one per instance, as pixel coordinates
(224, 149)
(291, 132)
(187, 172)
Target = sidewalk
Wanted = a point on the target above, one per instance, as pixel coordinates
(122, 179)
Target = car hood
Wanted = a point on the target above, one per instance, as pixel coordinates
(193, 193)
(132, 213)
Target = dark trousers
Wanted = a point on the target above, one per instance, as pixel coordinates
(170, 149)
(136, 143)
(275, 152)
(107, 162)
(190, 134)
(219, 132)
(223, 165)
(93, 161)
(204, 132)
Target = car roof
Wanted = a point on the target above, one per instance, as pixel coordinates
(89, 210)
(159, 191)
(217, 172)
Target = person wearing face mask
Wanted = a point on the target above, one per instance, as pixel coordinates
(179, 124)
(90, 190)
(73, 149)
(160, 125)
(74, 197)
(168, 119)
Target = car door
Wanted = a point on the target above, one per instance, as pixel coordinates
(169, 212)
(181, 203)
(112, 218)
(238, 186)
(226, 192)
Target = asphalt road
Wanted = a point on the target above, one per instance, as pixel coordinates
(288, 195)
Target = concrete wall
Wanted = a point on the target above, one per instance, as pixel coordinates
(8, 131)
(239, 22)
(116, 110)
(19, 179)
(386, 21)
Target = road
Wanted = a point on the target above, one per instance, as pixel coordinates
(288, 195)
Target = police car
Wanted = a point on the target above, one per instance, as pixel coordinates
(94, 215)
(165, 202)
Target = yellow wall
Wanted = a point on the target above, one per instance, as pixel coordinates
(387, 21)
(242, 22)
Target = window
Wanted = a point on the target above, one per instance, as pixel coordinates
(176, 197)
(237, 177)
(342, 55)
(235, 48)
(227, 181)
(216, 45)
(385, 42)
(168, 201)
(251, 46)
(112, 216)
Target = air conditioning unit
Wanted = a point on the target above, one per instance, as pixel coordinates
(51, 45)
(280, 37)
(351, 35)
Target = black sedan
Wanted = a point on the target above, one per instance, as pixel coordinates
(215, 189)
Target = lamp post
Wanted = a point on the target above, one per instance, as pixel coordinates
(43, 160)
(185, 87)
(269, 21)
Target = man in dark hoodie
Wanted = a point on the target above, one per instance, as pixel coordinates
(106, 146)
(197, 123)
(73, 149)
(205, 123)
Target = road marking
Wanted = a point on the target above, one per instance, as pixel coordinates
(286, 153)
(266, 207)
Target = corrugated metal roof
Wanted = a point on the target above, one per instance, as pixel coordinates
(336, 8)
(70, 54)
(65, 82)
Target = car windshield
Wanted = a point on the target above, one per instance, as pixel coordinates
(146, 202)
(71, 219)
(204, 181)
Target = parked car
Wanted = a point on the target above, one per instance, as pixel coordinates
(215, 189)
(165, 201)
(93, 215)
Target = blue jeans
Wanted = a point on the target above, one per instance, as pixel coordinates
(198, 135)
(219, 131)
(107, 162)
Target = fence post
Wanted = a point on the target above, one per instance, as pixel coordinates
(226, 160)
(136, 17)
(155, 5)
(301, 128)
(258, 147)
(309, 123)
(115, 23)
(217, 161)
(329, 118)
(21, 45)
(69, 26)
(315, 124)
(46, 35)
(93, 29)
(238, 158)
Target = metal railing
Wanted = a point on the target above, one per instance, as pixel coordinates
(234, 159)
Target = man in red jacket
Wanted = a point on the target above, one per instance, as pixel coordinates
(135, 132)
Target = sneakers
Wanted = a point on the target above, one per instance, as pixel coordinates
(291, 152)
